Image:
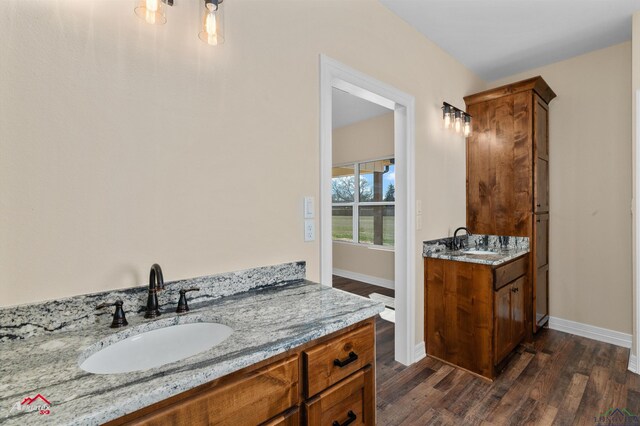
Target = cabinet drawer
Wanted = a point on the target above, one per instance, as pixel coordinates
(254, 399)
(349, 402)
(332, 361)
(503, 275)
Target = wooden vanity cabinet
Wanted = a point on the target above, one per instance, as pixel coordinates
(326, 380)
(474, 313)
(508, 177)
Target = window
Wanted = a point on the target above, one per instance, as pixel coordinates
(366, 214)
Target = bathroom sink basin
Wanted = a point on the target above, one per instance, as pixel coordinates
(158, 347)
(473, 251)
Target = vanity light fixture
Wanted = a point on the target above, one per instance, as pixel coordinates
(456, 118)
(152, 11)
(211, 28)
(212, 23)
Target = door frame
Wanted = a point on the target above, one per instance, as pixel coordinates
(334, 74)
(635, 349)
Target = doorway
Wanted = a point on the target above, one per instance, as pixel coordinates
(334, 75)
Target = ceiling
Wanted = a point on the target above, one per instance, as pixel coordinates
(347, 109)
(499, 38)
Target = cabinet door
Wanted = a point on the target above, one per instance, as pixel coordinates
(540, 279)
(541, 128)
(541, 155)
(541, 226)
(517, 310)
(502, 323)
(541, 292)
(542, 186)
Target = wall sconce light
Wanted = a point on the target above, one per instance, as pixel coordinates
(152, 11)
(212, 23)
(456, 118)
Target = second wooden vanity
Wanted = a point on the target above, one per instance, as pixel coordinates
(474, 313)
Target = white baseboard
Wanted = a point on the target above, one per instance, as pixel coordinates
(419, 352)
(591, 332)
(633, 364)
(364, 278)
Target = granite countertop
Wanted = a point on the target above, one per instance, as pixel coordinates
(503, 249)
(267, 321)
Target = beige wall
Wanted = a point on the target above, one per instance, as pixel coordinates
(125, 144)
(366, 140)
(375, 263)
(590, 184)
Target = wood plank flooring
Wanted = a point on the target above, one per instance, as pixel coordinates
(561, 380)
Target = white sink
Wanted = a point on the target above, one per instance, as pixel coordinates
(479, 252)
(156, 347)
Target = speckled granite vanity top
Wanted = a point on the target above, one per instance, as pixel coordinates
(270, 310)
(490, 250)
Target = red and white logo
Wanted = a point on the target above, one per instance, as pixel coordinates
(38, 403)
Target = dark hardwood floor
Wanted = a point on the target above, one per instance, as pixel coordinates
(562, 380)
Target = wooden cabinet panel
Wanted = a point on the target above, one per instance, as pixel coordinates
(334, 360)
(499, 166)
(351, 400)
(458, 315)
(290, 418)
(252, 400)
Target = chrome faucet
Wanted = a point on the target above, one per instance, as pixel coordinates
(156, 283)
(454, 242)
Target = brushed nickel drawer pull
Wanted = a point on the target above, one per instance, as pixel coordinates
(352, 357)
(352, 418)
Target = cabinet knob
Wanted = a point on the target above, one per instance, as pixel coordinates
(515, 289)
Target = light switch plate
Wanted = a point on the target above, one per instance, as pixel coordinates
(418, 207)
(308, 207)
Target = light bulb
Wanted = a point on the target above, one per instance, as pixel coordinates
(211, 29)
(467, 125)
(150, 13)
(446, 114)
(458, 122)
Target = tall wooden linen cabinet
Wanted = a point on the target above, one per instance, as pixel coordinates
(508, 176)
